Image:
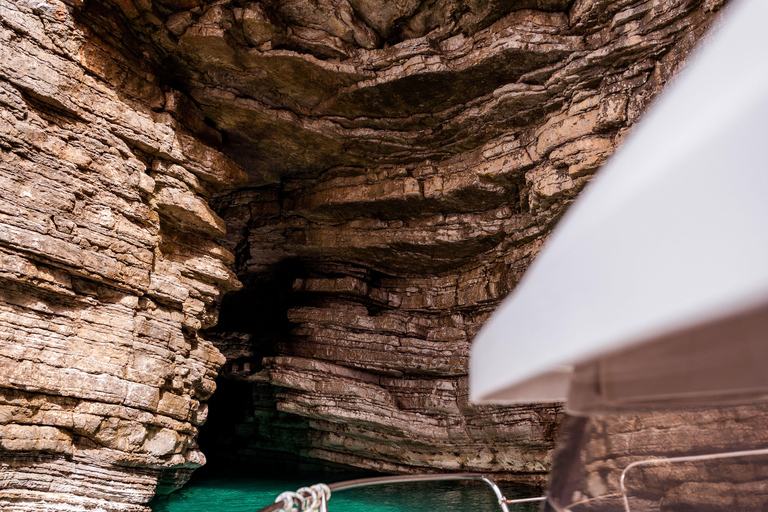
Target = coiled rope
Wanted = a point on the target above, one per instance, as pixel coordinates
(306, 499)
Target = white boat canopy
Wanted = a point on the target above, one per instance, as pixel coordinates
(653, 289)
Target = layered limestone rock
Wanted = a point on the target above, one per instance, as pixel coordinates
(108, 269)
(377, 174)
(416, 185)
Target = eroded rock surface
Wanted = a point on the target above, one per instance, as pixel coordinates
(108, 270)
(415, 189)
(377, 174)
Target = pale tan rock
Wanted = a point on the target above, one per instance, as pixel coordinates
(83, 353)
(613, 442)
(190, 212)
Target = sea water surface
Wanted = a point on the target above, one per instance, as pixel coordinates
(213, 491)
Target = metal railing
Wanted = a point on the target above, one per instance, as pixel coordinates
(321, 499)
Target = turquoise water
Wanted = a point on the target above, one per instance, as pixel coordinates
(247, 493)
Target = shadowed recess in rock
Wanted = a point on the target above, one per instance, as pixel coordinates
(443, 162)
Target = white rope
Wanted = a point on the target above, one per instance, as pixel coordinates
(291, 501)
(306, 499)
(309, 501)
(324, 489)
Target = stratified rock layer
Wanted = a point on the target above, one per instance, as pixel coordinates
(108, 270)
(415, 187)
(378, 174)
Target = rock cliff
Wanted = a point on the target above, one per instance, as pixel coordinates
(108, 269)
(378, 175)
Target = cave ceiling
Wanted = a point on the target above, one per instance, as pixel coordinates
(301, 87)
(409, 111)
